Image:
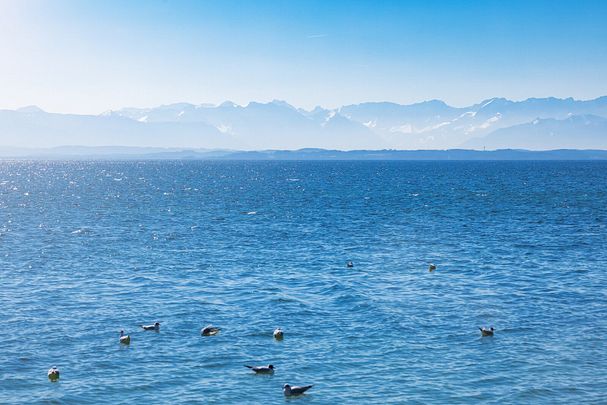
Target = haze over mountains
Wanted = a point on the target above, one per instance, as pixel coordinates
(535, 124)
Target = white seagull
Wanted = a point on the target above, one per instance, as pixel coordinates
(53, 373)
(486, 332)
(154, 327)
(124, 339)
(278, 334)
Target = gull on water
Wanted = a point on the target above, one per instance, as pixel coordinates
(486, 332)
(289, 390)
(350, 264)
(278, 334)
(154, 327)
(53, 373)
(124, 339)
(269, 369)
(209, 330)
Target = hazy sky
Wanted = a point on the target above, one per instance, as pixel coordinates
(87, 57)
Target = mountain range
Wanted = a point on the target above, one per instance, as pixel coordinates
(497, 123)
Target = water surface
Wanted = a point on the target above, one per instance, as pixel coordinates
(89, 248)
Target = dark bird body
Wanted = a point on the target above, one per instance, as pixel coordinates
(486, 332)
(269, 369)
(209, 331)
(294, 390)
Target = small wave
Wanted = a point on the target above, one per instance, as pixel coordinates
(261, 333)
(171, 236)
(81, 231)
(284, 299)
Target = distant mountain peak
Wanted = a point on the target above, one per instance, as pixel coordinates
(30, 109)
(281, 103)
(176, 106)
(495, 101)
(318, 109)
(434, 102)
(227, 104)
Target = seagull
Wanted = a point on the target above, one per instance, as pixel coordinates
(209, 331)
(124, 339)
(269, 369)
(154, 327)
(53, 374)
(432, 267)
(278, 334)
(295, 390)
(486, 332)
(350, 264)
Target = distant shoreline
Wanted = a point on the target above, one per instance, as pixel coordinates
(136, 153)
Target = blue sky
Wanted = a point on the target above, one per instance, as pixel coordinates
(87, 57)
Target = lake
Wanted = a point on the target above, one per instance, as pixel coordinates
(90, 248)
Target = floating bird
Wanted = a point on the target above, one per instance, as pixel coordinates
(432, 267)
(124, 339)
(154, 327)
(350, 264)
(269, 369)
(295, 390)
(209, 331)
(53, 374)
(486, 332)
(278, 334)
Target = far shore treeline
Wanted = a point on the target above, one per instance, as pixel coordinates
(134, 153)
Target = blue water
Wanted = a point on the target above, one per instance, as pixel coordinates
(89, 248)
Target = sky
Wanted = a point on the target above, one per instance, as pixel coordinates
(91, 56)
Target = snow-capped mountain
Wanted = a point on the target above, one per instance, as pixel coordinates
(573, 132)
(434, 124)
(492, 123)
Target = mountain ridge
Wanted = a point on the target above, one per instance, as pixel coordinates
(431, 124)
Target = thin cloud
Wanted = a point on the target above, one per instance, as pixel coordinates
(317, 36)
